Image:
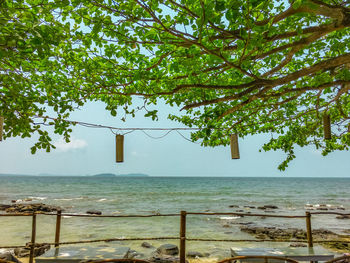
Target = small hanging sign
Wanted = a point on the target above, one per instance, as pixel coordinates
(327, 127)
(234, 146)
(119, 142)
(1, 126)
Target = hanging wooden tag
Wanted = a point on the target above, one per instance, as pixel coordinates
(327, 127)
(119, 143)
(1, 126)
(234, 146)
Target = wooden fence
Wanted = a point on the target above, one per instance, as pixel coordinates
(182, 237)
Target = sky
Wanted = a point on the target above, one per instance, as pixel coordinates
(92, 151)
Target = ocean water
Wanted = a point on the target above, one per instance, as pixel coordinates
(152, 195)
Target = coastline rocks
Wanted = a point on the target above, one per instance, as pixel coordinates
(30, 208)
(146, 245)
(195, 254)
(94, 212)
(168, 249)
(38, 250)
(267, 207)
(233, 206)
(343, 217)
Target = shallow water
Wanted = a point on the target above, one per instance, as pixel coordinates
(150, 195)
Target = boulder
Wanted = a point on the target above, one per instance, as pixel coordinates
(195, 254)
(30, 208)
(343, 217)
(234, 206)
(4, 207)
(94, 212)
(39, 250)
(168, 249)
(271, 206)
(146, 245)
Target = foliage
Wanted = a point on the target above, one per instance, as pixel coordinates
(233, 66)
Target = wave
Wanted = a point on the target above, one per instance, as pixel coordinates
(68, 199)
(229, 217)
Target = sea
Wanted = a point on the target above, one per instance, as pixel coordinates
(170, 195)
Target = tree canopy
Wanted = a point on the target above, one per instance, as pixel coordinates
(232, 66)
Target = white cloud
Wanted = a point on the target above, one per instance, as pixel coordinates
(74, 144)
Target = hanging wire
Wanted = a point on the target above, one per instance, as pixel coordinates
(160, 137)
(124, 131)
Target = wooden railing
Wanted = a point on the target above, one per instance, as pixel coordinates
(182, 237)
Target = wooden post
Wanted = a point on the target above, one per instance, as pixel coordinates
(32, 243)
(1, 126)
(119, 143)
(234, 146)
(58, 228)
(327, 127)
(183, 237)
(308, 229)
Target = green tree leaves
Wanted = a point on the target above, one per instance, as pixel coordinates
(238, 66)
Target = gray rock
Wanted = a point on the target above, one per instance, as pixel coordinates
(343, 217)
(271, 206)
(168, 249)
(195, 254)
(146, 245)
(94, 212)
(39, 250)
(234, 206)
(4, 207)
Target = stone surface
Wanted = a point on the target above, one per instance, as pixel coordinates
(94, 212)
(168, 249)
(30, 208)
(195, 254)
(146, 245)
(39, 250)
(343, 217)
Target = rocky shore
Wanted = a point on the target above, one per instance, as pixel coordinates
(274, 233)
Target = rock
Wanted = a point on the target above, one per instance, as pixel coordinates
(234, 206)
(195, 254)
(322, 208)
(226, 225)
(340, 208)
(94, 212)
(271, 206)
(248, 206)
(8, 257)
(262, 207)
(168, 249)
(240, 211)
(30, 208)
(343, 217)
(4, 207)
(297, 245)
(146, 245)
(38, 250)
(134, 254)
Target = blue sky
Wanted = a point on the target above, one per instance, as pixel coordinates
(92, 151)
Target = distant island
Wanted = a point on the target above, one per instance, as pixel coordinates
(120, 175)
